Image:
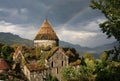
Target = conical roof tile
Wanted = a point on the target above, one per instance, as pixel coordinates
(46, 32)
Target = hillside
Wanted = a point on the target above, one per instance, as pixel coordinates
(79, 48)
(96, 51)
(10, 39)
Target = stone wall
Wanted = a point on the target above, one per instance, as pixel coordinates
(26, 72)
(35, 75)
(45, 43)
(56, 62)
(18, 57)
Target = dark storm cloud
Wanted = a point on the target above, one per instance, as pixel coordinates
(65, 10)
(33, 7)
(90, 25)
(67, 17)
(57, 11)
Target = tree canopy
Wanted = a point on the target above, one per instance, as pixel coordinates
(93, 70)
(111, 27)
(6, 52)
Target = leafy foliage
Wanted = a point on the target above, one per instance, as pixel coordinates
(69, 73)
(51, 78)
(42, 55)
(111, 27)
(38, 51)
(93, 70)
(108, 71)
(88, 56)
(6, 52)
(104, 56)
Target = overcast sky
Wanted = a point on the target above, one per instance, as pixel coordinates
(73, 20)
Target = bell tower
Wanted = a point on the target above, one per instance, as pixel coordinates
(46, 36)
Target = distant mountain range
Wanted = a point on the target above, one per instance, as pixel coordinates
(96, 51)
(10, 39)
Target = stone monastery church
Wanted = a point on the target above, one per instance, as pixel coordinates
(46, 57)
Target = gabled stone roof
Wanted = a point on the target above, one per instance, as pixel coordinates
(46, 32)
(16, 51)
(35, 67)
(67, 51)
(52, 51)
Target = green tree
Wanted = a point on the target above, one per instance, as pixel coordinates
(1, 45)
(88, 56)
(85, 73)
(69, 73)
(82, 73)
(38, 51)
(111, 27)
(51, 78)
(93, 70)
(86, 70)
(6, 52)
(104, 56)
(107, 71)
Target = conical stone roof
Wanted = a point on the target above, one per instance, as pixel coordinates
(46, 32)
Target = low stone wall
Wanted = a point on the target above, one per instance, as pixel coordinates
(45, 43)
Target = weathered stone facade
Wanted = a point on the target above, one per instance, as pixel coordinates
(53, 59)
(30, 69)
(18, 56)
(56, 61)
(35, 75)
